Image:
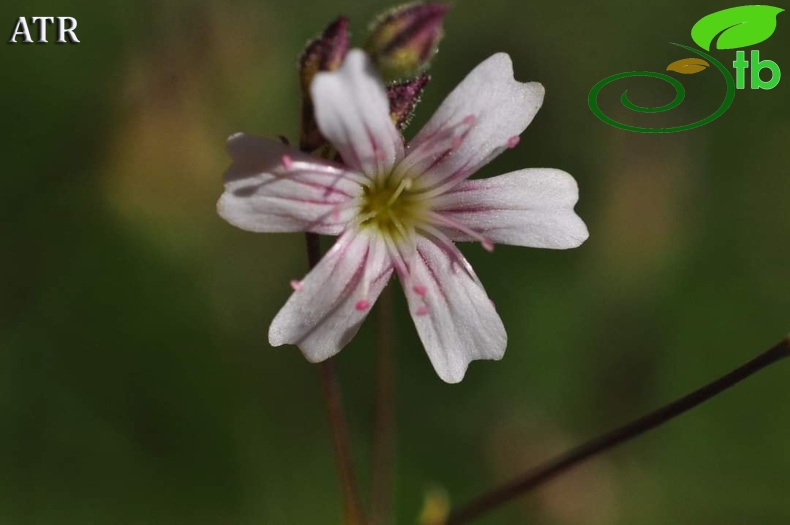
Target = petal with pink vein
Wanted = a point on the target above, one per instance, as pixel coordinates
(499, 107)
(529, 207)
(327, 310)
(353, 113)
(271, 187)
(455, 319)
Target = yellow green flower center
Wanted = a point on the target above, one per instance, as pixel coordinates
(392, 207)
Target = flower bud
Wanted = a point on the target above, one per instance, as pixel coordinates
(324, 53)
(403, 40)
(404, 97)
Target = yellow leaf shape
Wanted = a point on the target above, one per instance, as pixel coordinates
(688, 66)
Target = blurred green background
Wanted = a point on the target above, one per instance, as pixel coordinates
(136, 382)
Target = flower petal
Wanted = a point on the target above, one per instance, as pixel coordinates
(271, 187)
(530, 207)
(330, 304)
(482, 117)
(455, 319)
(353, 113)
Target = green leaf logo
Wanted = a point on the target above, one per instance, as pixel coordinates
(738, 26)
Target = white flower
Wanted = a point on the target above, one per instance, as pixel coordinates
(400, 209)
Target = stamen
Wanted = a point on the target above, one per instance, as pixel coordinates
(400, 227)
(405, 184)
(335, 171)
(288, 162)
(444, 242)
(512, 142)
(365, 217)
(362, 305)
(335, 212)
(396, 257)
(434, 148)
(296, 285)
(488, 245)
(423, 310)
(420, 290)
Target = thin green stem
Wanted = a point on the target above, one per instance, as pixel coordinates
(384, 433)
(542, 474)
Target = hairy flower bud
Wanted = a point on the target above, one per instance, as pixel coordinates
(324, 53)
(404, 97)
(404, 40)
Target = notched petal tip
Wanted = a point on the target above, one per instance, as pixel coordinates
(504, 63)
(456, 374)
(579, 237)
(454, 377)
(460, 325)
(502, 60)
(503, 107)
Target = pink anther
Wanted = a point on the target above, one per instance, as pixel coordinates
(488, 245)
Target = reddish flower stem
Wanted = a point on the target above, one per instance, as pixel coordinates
(545, 473)
(334, 404)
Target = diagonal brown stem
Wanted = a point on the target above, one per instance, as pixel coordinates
(384, 433)
(334, 405)
(542, 474)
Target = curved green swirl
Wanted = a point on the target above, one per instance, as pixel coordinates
(680, 95)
